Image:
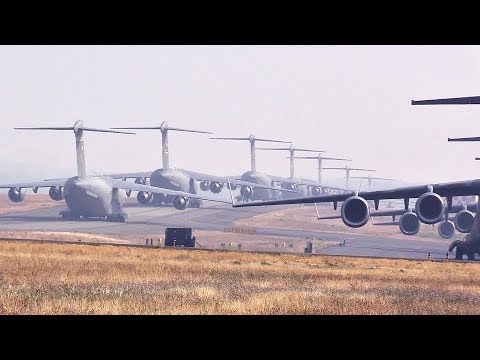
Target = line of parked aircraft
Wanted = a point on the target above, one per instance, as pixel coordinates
(102, 196)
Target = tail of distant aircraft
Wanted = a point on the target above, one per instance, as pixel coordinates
(78, 129)
(164, 128)
(320, 159)
(252, 140)
(292, 150)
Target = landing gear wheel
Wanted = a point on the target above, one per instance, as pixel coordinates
(116, 218)
(68, 215)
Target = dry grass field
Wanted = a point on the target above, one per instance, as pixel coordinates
(44, 278)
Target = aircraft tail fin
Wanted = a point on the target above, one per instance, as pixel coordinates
(78, 130)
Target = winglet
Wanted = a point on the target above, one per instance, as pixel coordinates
(230, 188)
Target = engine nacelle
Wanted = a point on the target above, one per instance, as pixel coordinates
(409, 223)
(204, 185)
(144, 197)
(446, 229)
(246, 191)
(355, 211)
(140, 181)
(215, 187)
(326, 191)
(463, 221)
(315, 190)
(180, 202)
(289, 186)
(16, 194)
(56, 193)
(430, 208)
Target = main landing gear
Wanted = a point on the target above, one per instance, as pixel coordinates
(461, 250)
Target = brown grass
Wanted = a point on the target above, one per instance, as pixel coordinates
(65, 279)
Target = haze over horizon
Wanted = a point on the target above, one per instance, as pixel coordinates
(352, 101)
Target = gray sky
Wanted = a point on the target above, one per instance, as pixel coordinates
(352, 101)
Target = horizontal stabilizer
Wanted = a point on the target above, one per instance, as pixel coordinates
(450, 101)
(74, 128)
(477, 138)
(323, 158)
(308, 150)
(343, 168)
(247, 138)
(371, 178)
(161, 128)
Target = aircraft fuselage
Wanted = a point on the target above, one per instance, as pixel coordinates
(92, 197)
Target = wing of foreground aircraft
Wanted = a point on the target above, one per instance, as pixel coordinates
(459, 188)
(450, 101)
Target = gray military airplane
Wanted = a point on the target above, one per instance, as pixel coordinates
(320, 158)
(429, 208)
(181, 179)
(347, 169)
(307, 187)
(93, 196)
(266, 179)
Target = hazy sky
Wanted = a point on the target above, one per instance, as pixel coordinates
(352, 101)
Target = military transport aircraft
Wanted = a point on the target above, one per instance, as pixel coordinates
(94, 196)
(266, 179)
(307, 187)
(180, 179)
(429, 208)
(320, 158)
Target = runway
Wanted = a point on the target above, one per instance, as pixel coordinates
(212, 216)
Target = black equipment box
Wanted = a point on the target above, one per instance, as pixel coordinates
(179, 237)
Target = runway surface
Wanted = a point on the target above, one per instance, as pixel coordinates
(153, 220)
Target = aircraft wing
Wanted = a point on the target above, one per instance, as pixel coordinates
(35, 184)
(222, 179)
(125, 185)
(450, 101)
(458, 188)
(144, 174)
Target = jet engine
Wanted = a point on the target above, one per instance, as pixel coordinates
(144, 197)
(463, 221)
(355, 211)
(16, 194)
(409, 223)
(430, 208)
(326, 191)
(446, 229)
(246, 191)
(215, 187)
(289, 186)
(315, 190)
(56, 193)
(204, 185)
(180, 202)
